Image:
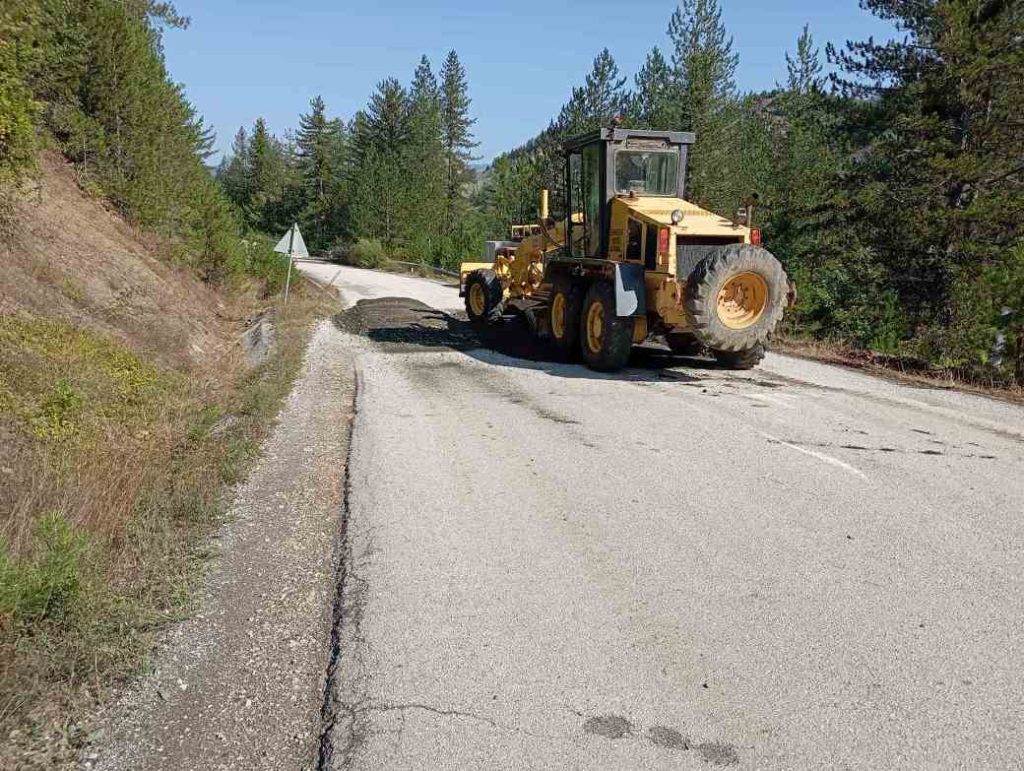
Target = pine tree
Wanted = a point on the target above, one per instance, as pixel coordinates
(18, 31)
(804, 69)
(320, 147)
(509, 195)
(604, 95)
(703, 62)
(263, 178)
(655, 102)
(456, 136)
(601, 97)
(804, 212)
(261, 162)
(425, 160)
(111, 106)
(703, 67)
(380, 188)
(940, 184)
(591, 105)
(233, 170)
(273, 181)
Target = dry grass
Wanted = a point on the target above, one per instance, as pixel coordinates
(72, 259)
(136, 489)
(126, 413)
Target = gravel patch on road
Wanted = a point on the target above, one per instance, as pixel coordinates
(241, 684)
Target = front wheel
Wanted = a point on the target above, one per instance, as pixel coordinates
(605, 339)
(736, 297)
(483, 296)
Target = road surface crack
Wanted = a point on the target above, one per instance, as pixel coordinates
(403, 708)
(329, 708)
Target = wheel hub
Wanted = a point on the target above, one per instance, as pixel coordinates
(595, 327)
(558, 316)
(477, 299)
(742, 300)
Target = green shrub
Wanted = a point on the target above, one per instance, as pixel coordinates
(17, 117)
(369, 253)
(986, 333)
(262, 262)
(55, 417)
(47, 582)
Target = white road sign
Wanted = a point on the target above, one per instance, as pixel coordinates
(292, 243)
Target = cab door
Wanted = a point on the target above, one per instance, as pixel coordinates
(651, 247)
(634, 240)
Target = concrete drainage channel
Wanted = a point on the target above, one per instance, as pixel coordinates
(258, 339)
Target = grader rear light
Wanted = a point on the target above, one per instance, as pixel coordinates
(663, 241)
(755, 237)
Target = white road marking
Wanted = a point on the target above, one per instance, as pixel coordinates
(819, 455)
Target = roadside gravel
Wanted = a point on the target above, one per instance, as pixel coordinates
(241, 684)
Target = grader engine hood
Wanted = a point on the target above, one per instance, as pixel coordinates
(696, 221)
(695, 234)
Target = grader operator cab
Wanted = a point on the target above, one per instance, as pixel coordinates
(631, 258)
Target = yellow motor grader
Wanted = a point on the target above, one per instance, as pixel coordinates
(632, 258)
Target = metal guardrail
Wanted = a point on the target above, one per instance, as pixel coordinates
(420, 265)
(434, 268)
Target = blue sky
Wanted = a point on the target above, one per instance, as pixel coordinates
(244, 58)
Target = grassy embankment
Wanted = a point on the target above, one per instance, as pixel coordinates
(122, 428)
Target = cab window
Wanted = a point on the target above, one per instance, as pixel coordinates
(575, 199)
(646, 172)
(591, 189)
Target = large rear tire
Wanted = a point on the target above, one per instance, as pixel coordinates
(564, 314)
(736, 297)
(605, 339)
(483, 296)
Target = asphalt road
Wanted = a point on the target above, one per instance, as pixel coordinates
(675, 566)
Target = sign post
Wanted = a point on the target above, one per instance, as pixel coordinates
(292, 245)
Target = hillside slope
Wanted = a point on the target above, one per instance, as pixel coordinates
(72, 259)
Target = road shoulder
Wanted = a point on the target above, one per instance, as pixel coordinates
(241, 684)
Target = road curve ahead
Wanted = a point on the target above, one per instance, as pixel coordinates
(676, 566)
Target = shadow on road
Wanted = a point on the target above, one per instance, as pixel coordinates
(402, 324)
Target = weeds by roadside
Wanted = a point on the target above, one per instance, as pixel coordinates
(114, 472)
(897, 368)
